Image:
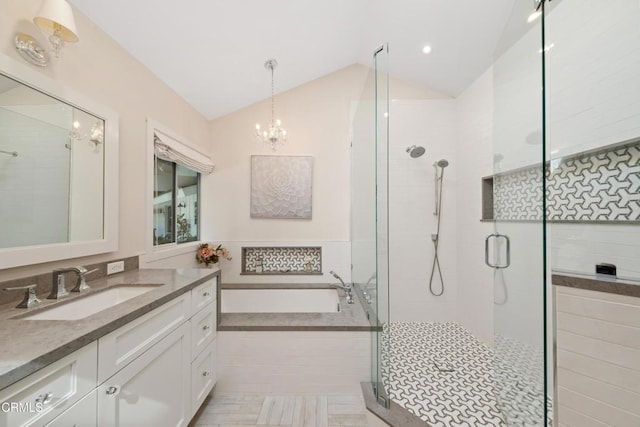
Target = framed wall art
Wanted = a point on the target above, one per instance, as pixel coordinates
(281, 186)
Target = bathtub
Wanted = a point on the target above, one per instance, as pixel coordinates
(279, 301)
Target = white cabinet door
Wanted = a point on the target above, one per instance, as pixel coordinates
(203, 376)
(154, 389)
(82, 414)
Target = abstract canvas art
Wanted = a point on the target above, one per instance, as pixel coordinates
(281, 186)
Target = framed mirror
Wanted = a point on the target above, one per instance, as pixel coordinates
(58, 170)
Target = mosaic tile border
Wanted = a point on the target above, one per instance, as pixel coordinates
(601, 185)
(282, 260)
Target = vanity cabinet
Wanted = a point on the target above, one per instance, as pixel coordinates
(154, 371)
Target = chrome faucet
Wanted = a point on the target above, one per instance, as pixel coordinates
(29, 299)
(344, 286)
(58, 289)
(81, 284)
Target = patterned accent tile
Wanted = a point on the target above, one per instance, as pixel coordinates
(284, 259)
(598, 186)
(444, 375)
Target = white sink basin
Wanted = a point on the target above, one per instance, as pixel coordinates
(91, 304)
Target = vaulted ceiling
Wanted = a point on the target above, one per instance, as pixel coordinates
(212, 52)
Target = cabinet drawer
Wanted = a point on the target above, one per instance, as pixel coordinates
(203, 294)
(82, 414)
(47, 393)
(203, 376)
(203, 329)
(118, 348)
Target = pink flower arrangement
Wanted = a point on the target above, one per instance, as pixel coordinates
(209, 255)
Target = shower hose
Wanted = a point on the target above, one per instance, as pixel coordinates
(435, 238)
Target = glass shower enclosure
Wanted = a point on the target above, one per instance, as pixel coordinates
(369, 211)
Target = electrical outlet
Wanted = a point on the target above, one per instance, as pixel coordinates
(115, 267)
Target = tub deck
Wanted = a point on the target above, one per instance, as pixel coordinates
(351, 317)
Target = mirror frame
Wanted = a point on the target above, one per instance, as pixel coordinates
(26, 255)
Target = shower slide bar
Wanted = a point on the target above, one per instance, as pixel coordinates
(11, 153)
(497, 236)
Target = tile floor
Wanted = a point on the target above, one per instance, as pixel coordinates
(309, 410)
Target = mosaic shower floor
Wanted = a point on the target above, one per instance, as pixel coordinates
(444, 375)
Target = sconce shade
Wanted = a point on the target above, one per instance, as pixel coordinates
(57, 15)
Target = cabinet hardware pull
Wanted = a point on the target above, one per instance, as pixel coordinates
(44, 398)
(206, 327)
(206, 373)
(206, 294)
(112, 390)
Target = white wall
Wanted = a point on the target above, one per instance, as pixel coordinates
(99, 68)
(593, 91)
(431, 124)
(316, 116)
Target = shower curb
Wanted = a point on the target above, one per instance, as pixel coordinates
(395, 416)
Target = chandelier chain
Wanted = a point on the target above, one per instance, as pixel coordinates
(273, 115)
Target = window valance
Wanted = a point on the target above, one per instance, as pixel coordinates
(172, 150)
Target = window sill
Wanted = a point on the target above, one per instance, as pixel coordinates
(158, 253)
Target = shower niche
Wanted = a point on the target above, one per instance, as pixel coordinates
(598, 186)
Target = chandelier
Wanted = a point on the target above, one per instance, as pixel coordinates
(275, 135)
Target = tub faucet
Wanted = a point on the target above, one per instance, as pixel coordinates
(344, 286)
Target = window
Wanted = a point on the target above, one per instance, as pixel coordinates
(174, 195)
(175, 203)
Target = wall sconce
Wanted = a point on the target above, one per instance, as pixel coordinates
(54, 18)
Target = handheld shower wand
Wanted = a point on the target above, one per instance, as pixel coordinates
(440, 164)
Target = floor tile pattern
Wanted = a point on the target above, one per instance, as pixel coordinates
(248, 409)
(444, 375)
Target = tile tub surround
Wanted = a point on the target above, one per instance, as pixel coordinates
(35, 344)
(44, 280)
(351, 317)
(597, 282)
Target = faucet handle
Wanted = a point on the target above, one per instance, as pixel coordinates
(81, 284)
(29, 299)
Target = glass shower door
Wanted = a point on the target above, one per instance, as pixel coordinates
(369, 208)
(515, 250)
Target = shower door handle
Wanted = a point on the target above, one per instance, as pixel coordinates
(507, 248)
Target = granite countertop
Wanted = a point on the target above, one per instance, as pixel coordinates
(596, 282)
(30, 345)
(351, 317)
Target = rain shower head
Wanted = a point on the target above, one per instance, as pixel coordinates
(415, 151)
(443, 163)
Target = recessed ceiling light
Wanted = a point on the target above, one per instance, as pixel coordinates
(426, 49)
